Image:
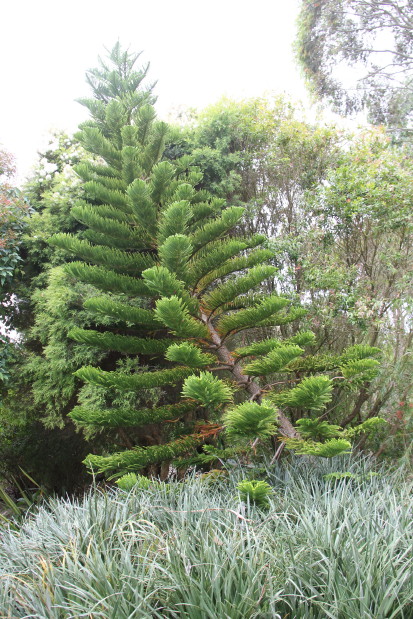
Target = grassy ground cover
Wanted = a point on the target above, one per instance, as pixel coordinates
(340, 549)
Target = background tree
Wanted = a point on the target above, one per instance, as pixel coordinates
(357, 263)
(26, 398)
(290, 173)
(358, 54)
(262, 154)
(259, 152)
(14, 213)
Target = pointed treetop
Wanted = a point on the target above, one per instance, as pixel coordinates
(117, 78)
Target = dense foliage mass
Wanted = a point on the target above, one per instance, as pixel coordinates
(338, 254)
(339, 212)
(14, 212)
(43, 388)
(183, 284)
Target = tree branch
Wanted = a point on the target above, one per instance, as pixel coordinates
(286, 428)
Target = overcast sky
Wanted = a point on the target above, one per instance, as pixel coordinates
(198, 52)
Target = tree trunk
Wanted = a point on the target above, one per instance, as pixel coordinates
(252, 387)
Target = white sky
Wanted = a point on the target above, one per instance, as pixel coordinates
(198, 52)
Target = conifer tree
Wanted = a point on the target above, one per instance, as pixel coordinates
(152, 236)
(46, 304)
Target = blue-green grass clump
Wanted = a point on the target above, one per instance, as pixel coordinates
(195, 549)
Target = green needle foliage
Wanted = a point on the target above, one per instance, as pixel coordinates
(369, 426)
(248, 318)
(188, 354)
(302, 338)
(275, 361)
(122, 343)
(313, 393)
(255, 491)
(318, 430)
(250, 420)
(128, 417)
(174, 314)
(154, 240)
(320, 438)
(132, 382)
(122, 311)
(360, 369)
(331, 448)
(207, 390)
(140, 457)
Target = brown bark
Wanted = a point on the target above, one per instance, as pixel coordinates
(243, 380)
